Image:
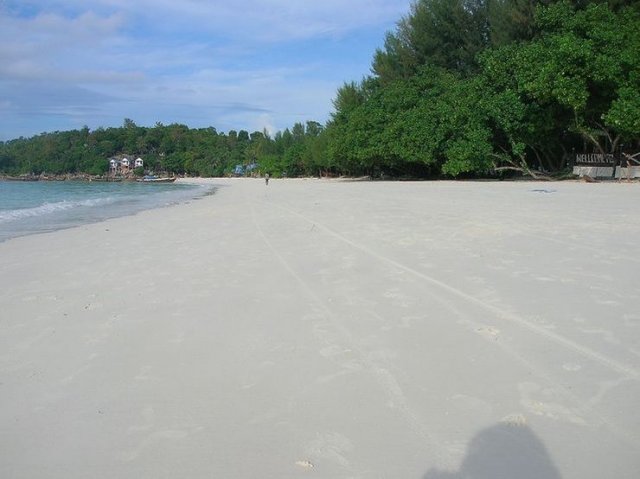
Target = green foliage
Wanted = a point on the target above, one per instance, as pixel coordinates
(451, 33)
(440, 33)
(579, 77)
(434, 122)
(173, 148)
(461, 87)
(624, 114)
(468, 86)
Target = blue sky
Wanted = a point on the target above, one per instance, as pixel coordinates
(243, 64)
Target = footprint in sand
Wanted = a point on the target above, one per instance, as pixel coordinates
(540, 401)
(305, 464)
(489, 332)
(331, 447)
(571, 367)
(514, 420)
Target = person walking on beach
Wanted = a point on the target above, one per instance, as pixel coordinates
(266, 179)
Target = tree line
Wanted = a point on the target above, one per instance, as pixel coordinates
(174, 148)
(459, 88)
(471, 87)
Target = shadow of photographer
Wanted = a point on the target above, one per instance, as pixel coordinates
(503, 451)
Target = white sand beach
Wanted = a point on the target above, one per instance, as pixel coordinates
(330, 329)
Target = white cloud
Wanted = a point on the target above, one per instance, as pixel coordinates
(249, 20)
(50, 45)
(263, 122)
(243, 65)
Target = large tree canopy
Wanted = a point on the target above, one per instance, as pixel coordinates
(461, 87)
(470, 86)
(584, 68)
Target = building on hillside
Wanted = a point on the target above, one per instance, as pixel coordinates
(121, 165)
(244, 170)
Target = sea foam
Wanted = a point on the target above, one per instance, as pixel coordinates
(49, 208)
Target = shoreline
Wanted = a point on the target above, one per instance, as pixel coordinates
(62, 209)
(342, 329)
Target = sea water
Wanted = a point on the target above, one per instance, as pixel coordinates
(28, 207)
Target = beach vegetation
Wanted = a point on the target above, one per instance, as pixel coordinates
(460, 88)
(486, 87)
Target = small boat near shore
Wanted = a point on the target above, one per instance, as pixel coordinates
(21, 178)
(105, 179)
(155, 179)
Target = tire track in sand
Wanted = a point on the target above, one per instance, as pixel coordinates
(617, 366)
(382, 375)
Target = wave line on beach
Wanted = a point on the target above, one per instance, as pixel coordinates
(55, 207)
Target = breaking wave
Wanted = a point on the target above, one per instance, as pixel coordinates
(49, 208)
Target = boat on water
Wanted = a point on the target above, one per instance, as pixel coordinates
(105, 179)
(21, 178)
(155, 179)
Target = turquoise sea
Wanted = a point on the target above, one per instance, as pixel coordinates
(28, 207)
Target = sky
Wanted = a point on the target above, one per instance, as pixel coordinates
(233, 65)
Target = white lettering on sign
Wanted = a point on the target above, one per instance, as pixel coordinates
(594, 158)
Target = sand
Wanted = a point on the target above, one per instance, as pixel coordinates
(330, 329)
